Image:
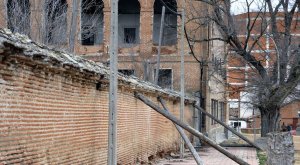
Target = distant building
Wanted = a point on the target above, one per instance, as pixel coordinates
(240, 73)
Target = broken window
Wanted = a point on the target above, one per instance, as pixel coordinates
(129, 35)
(169, 36)
(56, 21)
(127, 72)
(91, 22)
(165, 78)
(18, 16)
(129, 22)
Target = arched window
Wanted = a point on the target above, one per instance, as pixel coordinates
(170, 26)
(56, 21)
(129, 22)
(91, 22)
(18, 16)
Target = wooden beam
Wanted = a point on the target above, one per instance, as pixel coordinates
(189, 128)
(227, 127)
(184, 137)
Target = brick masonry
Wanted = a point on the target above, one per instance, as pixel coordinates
(52, 114)
(136, 56)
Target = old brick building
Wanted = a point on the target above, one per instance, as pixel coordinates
(240, 74)
(290, 115)
(54, 109)
(86, 26)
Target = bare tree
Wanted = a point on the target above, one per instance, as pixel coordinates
(55, 18)
(270, 85)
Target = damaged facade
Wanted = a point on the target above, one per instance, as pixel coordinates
(139, 23)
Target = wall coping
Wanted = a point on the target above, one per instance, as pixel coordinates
(21, 46)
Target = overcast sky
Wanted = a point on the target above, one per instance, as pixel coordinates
(239, 6)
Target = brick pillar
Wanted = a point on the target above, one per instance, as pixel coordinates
(69, 19)
(36, 19)
(146, 23)
(106, 28)
(3, 23)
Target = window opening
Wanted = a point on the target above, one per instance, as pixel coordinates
(91, 22)
(18, 16)
(170, 25)
(129, 22)
(129, 35)
(55, 21)
(214, 110)
(165, 78)
(127, 72)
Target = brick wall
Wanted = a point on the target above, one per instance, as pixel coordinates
(55, 115)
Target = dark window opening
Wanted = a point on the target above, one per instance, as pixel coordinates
(87, 31)
(202, 123)
(129, 35)
(91, 22)
(165, 78)
(18, 16)
(129, 22)
(127, 72)
(55, 21)
(169, 36)
(236, 124)
(214, 110)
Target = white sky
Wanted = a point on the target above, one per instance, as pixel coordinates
(239, 6)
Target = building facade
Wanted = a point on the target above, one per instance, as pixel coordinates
(83, 27)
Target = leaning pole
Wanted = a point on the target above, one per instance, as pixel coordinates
(189, 128)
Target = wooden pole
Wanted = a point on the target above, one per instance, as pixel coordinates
(189, 128)
(182, 79)
(113, 85)
(184, 137)
(227, 127)
(161, 30)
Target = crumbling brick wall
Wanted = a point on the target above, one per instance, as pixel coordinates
(54, 113)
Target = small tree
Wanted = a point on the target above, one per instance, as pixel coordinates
(274, 85)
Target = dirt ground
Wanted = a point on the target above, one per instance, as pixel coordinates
(210, 156)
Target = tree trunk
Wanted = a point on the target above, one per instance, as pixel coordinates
(270, 120)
